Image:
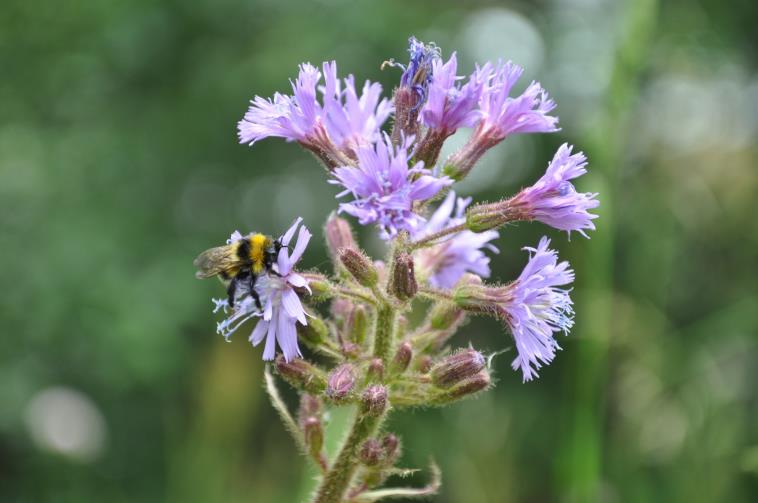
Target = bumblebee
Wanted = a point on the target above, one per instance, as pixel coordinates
(240, 263)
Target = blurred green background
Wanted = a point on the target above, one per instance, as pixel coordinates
(119, 163)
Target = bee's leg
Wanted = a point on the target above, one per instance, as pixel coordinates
(254, 292)
(231, 291)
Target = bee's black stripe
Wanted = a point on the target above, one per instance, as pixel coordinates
(243, 250)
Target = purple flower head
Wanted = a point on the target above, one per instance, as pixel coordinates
(445, 263)
(384, 187)
(344, 121)
(450, 105)
(554, 201)
(282, 308)
(504, 115)
(534, 308)
(418, 73)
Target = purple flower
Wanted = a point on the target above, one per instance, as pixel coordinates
(533, 307)
(445, 263)
(282, 307)
(385, 188)
(536, 308)
(449, 105)
(418, 73)
(343, 122)
(527, 113)
(553, 200)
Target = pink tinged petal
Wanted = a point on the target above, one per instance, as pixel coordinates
(269, 351)
(303, 237)
(298, 281)
(285, 239)
(286, 336)
(260, 330)
(293, 306)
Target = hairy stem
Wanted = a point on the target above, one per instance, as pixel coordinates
(431, 238)
(337, 480)
(383, 331)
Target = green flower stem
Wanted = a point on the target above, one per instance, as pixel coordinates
(337, 480)
(383, 331)
(432, 238)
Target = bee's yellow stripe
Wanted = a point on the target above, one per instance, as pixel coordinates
(258, 245)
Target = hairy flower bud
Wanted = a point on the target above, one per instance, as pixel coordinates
(403, 282)
(358, 325)
(423, 363)
(338, 235)
(315, 332)
(341, 382)
(310, 406)
(359, 265)
(371, 453)
(402, 358)
(470, 386)
(320, 288)
(374, 400)
(301, 375)
(391, 445)
(375, 372)
(457, 367)
(484, 217)
(313, 434)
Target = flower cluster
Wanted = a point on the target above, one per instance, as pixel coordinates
(440, 252)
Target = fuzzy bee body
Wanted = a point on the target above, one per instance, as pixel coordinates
(240, 262)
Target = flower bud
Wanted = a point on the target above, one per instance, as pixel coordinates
(358, 324)
(445, 315)
(457, 367)
(423, 364)
(403, 282)
(341, 382)
(338, 235)
(301, 375)
(313, 435)
(473, 384)
(391, 445)
(315, 332)
(341, 310)
(375, 371)
(310, 406)
(371, 453)
(374, 400)
(319, 285)
(359, 266)
(402, 358)
(484, 217)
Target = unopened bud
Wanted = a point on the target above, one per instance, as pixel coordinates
(402, 358)
(403, 282)
(371, 453)
(473, 384)
(358, 324)
(310, 406)
(375, 371)
(341, 310)
(359, 266)
(423, 364)
(484, 217)
(315, 332)
(445, 315)
(314, 435)
(338, 235)
(457, 367)
(341, 382)
(319, 285)
(374, 400)
(301, 375)
(391, 445)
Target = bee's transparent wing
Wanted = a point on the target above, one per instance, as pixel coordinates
(212, 262)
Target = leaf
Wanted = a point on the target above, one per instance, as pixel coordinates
(404, 492)
(276, 400)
